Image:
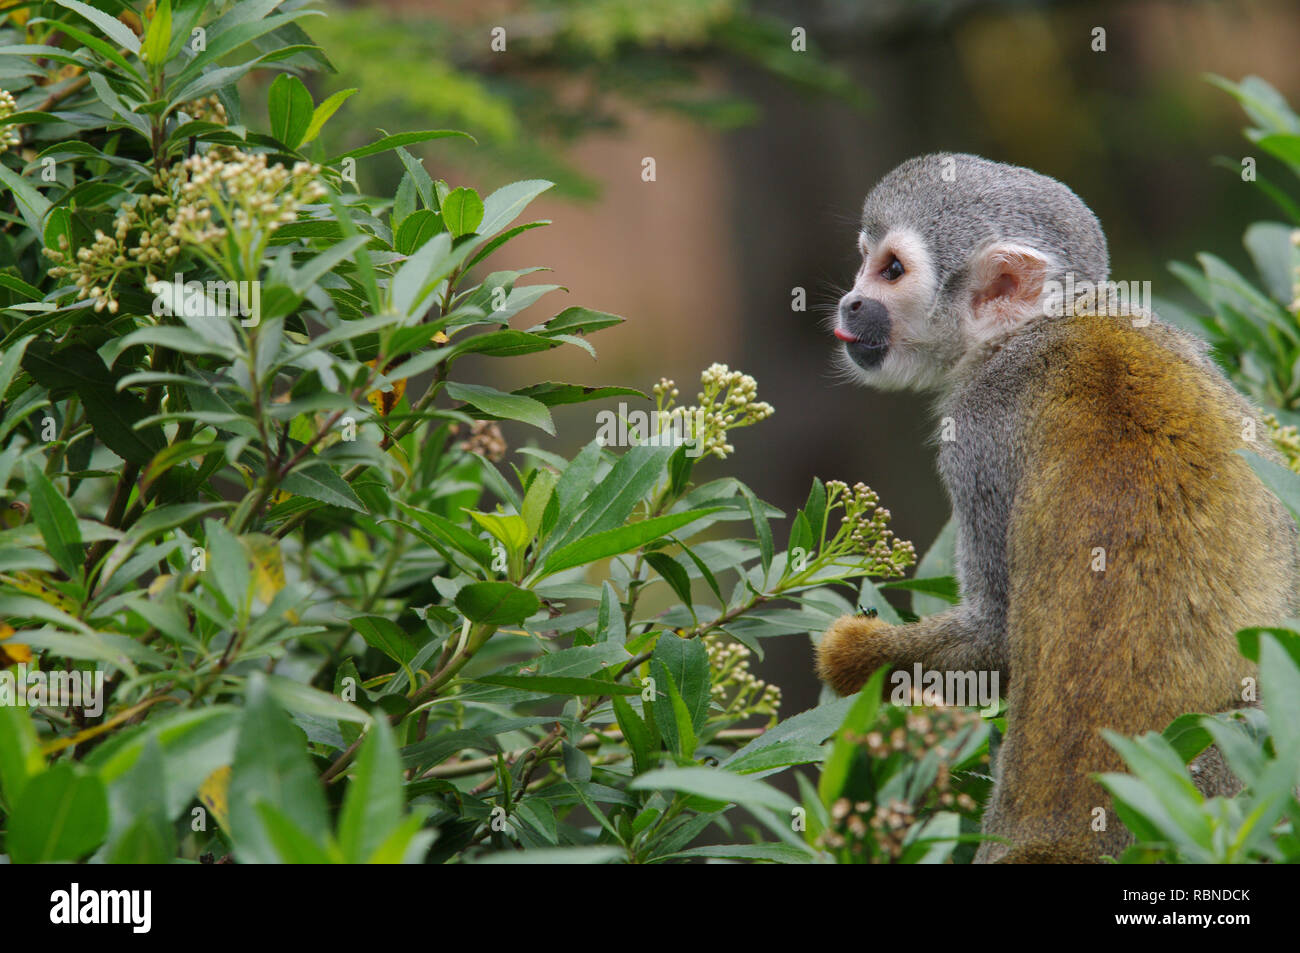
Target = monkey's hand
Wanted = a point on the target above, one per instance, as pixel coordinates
(852, 648)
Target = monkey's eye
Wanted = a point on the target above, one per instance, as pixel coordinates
(894, 270)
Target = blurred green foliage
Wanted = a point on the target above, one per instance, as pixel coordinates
(567, 68)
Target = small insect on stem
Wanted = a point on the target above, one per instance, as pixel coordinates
(869, 612)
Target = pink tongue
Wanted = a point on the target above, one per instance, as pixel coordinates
(844, 335)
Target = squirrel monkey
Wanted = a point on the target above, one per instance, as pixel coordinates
(1110, 539)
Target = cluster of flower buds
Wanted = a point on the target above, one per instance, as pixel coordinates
(1285, 439)
(206, 109)
(151, 232)
(142, 236)
(856, 825)
(485, 439)
(881, 829)
(727, 399)
(9, 135)
(864, 529)
(250, 196)
(735, 688)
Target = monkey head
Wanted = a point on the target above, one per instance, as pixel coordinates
(956, 250)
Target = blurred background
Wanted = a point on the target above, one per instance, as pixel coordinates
(768, 122)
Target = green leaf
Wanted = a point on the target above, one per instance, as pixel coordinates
(943, 587)
(1188, 736)
(229, 565)
(1282, 481)
(392, 142)
(104, 49)
(801, 540)
(301, 698)
(716, 785)
(540, 493)
(20, 753)
(318, 481)
(114, 29)
(777, 853)
(504, 205)
(420, 177)
(387, 636)
(611, 501)
(56, 521)
(835, 773)
(681, 738)
(636, 734)
(509, 528)
(762, 528)
(407, 844)
(496, 603)
(556, 855)
(451, 533)
(372, 807)
(702, 567)
(559, 684)
(309, 274)
(623, 539)
(290, 842)
(113, 414)
(145, 841)
(290, 107)
(815, 511)
(139, 829)
(194, 744)
(1248, 641)
(62, 815)
(323, 112)
(416, 229)
(673, 573)
(158, 37)
(504, 406)
(31, 204)
(271, 765)
(781, 754)
(680, 665)
(610, 624)
(940, 560)
(1279, 682)
(539, 816)
(462, 211)
(578, 320)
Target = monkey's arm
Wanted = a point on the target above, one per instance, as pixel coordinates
(961, 639)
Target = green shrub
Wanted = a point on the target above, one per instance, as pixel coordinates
(246, 488)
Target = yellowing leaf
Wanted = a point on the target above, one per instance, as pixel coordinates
(268, 567)
(214, 793)
(11, 653)
(33, 583)
(385, 400)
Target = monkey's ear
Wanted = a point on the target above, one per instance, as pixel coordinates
(1006, 288)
